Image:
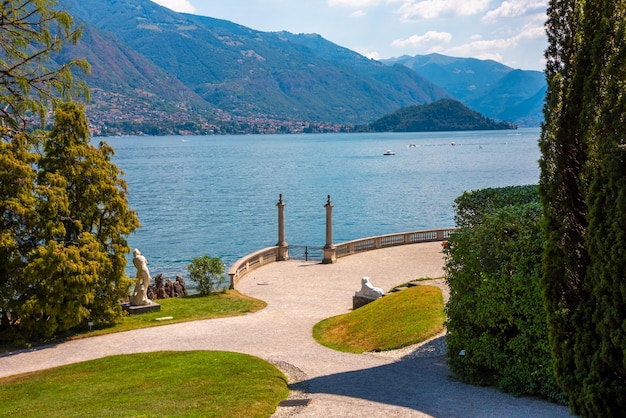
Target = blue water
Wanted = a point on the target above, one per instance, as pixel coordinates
(217, 195)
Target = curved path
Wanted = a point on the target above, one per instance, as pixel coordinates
(412, 382)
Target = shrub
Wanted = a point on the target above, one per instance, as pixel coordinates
(208, 273)
(497, 329)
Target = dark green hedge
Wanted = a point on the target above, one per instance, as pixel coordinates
(497, 330)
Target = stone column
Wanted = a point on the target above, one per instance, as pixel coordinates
(330, 253)
(283, 247)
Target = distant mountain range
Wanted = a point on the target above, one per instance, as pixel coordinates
(158, 72)
(486, 86)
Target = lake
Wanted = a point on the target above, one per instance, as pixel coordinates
(217, 195)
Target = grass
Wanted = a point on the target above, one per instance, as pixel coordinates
(181, 384)
(189, 308)
(397, 320)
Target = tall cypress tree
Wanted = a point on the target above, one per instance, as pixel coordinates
(604, 389)
(585, 80)
(563, 184)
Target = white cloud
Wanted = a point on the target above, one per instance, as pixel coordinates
(516, 8)
(358, 13)
(182, 6)
(413, 10)
(531, 31)
(493, 49)
(371, 55)
(430, 37)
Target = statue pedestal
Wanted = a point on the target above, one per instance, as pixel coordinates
(140, 309)
(358, 301)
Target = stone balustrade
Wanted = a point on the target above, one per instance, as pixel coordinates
(391, 240)
(250, 262)
(268, 255)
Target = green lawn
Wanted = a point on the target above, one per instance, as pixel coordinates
(181, 384)
(397, 320)
(189, 308)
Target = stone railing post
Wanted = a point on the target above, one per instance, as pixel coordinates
(330, 251)
(283, 248)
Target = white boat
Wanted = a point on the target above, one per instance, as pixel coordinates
(389, 152)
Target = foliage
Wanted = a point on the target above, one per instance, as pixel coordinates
(606, 239)
(183, 384)
(208, 273)
(30, 33)
(471, 207)
(442, 115)
(497, 331)
(64, 208)
(582, 183)
(17, 205)
(72, 265)
(397, 320)
(563, 185)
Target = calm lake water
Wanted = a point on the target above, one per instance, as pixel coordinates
(217, 195)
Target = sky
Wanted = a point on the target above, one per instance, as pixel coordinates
(511, 32)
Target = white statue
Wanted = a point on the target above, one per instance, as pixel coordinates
(140, 294)
(368, 290)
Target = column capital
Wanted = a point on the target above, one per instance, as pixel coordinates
(280, 200)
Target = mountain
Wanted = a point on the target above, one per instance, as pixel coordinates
(491, 88)
(227, 72)
(442, 115)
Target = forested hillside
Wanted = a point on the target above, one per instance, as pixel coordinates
(442, 115)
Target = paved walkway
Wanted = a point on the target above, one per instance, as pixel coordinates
(413, 382)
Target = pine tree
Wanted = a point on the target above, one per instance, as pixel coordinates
(77, 271)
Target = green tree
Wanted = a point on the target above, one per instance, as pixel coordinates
(580, 184)
(603, 392)
(31, 32)
(563, 186)
(207, 272)
(17, 207)
(497, 333)
(76, 270)
(96, 205)
(64, 206)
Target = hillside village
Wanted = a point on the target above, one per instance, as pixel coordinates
(115, 114)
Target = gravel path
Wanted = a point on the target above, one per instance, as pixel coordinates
(411, 382)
